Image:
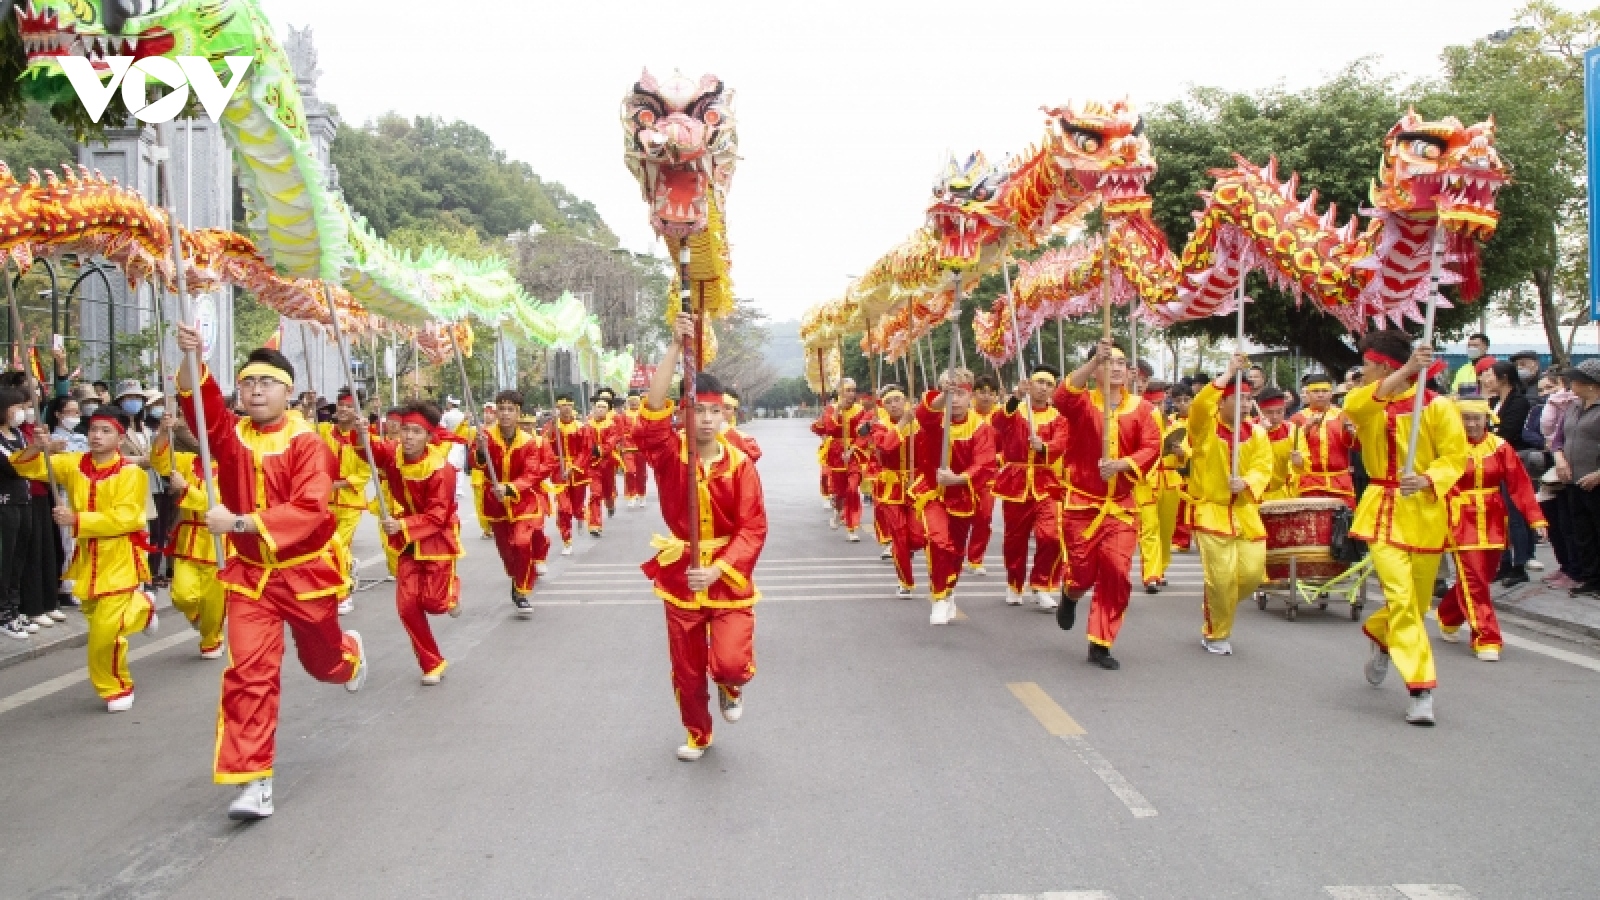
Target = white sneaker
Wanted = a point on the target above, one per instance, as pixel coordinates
(826, 503)
(1534, 565)
(121, 704)
(1221, 648)
(541, 568)
(1377, 667)
(1420, 712)
(978, 570)
(254, 801)
(852, 537)
(903, 592)
(58, 615)
(888, 552)
(942, 612)
(360, 678)
(347, 606)
(1013, 598)
(833, 519)
(732, 707)
(566, 549)
(1489, 654)
(214, 653)
(454, 611)
(433, 678)
(1450, 635)
(43, 621)
(689, 753)
(1047, 600)
(153, 627)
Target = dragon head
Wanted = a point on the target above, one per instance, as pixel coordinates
(681, 145)
(1442, 167)
(1105, 149)
(962, 214)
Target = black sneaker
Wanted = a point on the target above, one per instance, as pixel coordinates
(14, 628)
(1067, 612)
(1101, 656)
(1587, 589)
(1515, 577)
(1152, 587)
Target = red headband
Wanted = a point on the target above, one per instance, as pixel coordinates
(414, 418)
(1382, 359)
(1273, 403)
(1241, 386)
(716, 398)
(1483, 365)
(109, 417)
(1154, 395)
(347, 400)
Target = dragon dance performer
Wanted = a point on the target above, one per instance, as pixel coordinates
(709, 602)
(825, 453)
(731, 430)
(948, 497)
(195, 591)
(574, 443)
(1284, 437)
(1030, 490)
(1320, 462)
(1225, 508)
(476, 476)
(604, 463)
(103, 505)
(1402, 517)
(514, 507)
(1154, 555)
(985, 401)
(284, 569)
(635, 474)
(350, 488)
(893, 504)
(845, 454)
(1173, 504)
(1100, 510)
(1478, 525)
(422, 529)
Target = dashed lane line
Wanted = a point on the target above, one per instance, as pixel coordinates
(1398, 892)
(1053, 895)
(1058, 723)
(61, 682)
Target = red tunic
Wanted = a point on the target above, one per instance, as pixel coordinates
(733, 518)
(1477, 508)
(847, 451)
(1136, 437)
(281, 476)
(1027, 474)
(424, 494)
(894, 475)
(744, 442)
(522, 467)
(971, 454)
(1326, 440)
(573, 444)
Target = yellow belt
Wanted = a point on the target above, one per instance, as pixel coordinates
(670, 548)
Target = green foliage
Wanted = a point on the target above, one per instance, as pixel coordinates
(37, 141)
(253, 325)
(791, 391)
(400, 172)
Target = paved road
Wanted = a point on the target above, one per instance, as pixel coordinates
(878, 757)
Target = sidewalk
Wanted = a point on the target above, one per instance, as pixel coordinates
(74, 632)
(1552, 607)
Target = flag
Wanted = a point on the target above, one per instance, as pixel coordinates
(36, 367)
(276, 341)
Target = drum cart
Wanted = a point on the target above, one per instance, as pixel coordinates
(1301, 566)
(1349, 586)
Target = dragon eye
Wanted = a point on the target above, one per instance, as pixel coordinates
(1088, 143)
(1426, 149)
(712, 117)
(645, 117)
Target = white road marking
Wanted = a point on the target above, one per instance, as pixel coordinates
(61, 682)
(1100, 766)
(1398, 892)
(1522, 643)
(1053, 895)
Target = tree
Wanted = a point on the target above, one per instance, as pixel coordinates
(1530, 78)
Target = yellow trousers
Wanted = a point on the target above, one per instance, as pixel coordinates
(347, 518)
(1407, 580)
(111, 619)
(478, 479)
(1234, 568)
(1167, 503)
(1153, 552)
(198, 594)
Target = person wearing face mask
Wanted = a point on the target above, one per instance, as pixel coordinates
(130, 401)
(16, 534)
(166, 504)
(1527, 363)
(44, 556)
(1467, 374)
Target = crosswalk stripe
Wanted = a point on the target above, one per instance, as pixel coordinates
(1398, 892)
(1053, 895)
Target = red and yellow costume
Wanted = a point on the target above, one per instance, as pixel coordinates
(427, 544)
(635, 474)
(1478, 534)
(1099, 520)
(350, 502)
(1233, 542)
(1326, 439)
(196, 592)
(1405, 534)
(710, 632)
(518, 521)
(289, 572)
(603, 471)
(845, 454)
(573, 444)
(1284, 437)
(893, 504)
(983, 519)
(948, 510)
(1029, 489)
(1154, 553)
(108, 560)
(1172, 510)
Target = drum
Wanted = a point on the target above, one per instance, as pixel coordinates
(1301, 530)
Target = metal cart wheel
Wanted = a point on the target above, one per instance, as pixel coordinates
(1292, 613)
(1261, 600)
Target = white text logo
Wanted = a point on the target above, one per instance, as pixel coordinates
(179, 74)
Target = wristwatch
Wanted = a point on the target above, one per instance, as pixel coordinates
(238, 524)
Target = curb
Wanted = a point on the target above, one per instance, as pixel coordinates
(1547, 619)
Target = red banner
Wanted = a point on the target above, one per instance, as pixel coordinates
(642, 374)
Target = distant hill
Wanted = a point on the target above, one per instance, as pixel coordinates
(783, 348)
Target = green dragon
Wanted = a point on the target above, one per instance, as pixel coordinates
(304, 229)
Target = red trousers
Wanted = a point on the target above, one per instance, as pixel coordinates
(1468, 601)
(247, 723)
(569, 505)
(602, 488)
(715, 642)
(904, 528)
(827, 487)
(947, 537)
(634, 475)
(1181, 537)
(1040, 520)
(423, 588)
(1101, 561)
(982, 529)
(516, 542)
(847, 497)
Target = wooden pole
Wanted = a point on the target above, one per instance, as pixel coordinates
(1016, 338)
(691, 362)
(472, 405)
(350, 382)
(1238, 377)
(1104, 375)
(1435, 270)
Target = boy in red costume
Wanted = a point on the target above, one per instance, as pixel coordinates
(948, 494)
(278, 474)
(709, 601)
(514, 464)
(893, 504)
(635, 474)
(985, 402)
(573, 443)
(1031, 442)
(845, 454)
(1320, 459)
(603, 471)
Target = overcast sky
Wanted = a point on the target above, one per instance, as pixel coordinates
(845, 109)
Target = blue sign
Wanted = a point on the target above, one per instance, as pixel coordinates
(1591, 108)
